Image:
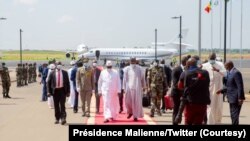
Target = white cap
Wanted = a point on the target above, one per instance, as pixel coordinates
(218, 59)
(109, 63)
(72, 63)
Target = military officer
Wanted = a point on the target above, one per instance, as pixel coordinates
(85, 86)
(25, 74)
(6, 83)
(34, 73)
(156, 82)
(30, 73)
(19, 75)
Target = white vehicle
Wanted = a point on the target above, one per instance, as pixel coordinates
(164, 51)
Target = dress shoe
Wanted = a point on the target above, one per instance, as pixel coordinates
(135, 119)
(75, 111)
(63, 121)
(163, 111)
(57, 122)
(120, 111)
(8, 96)
(87, 115)
(159, 113)
(83, 115)
(106, 121)
(151, 115)
(129, 116)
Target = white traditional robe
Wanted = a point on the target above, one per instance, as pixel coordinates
(215, 109)
(71, 99)
(109, 86)
(133, 82)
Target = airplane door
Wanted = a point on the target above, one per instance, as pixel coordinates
(97, 54)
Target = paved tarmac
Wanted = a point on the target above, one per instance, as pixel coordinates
(25, 118)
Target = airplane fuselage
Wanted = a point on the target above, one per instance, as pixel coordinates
(127, 53)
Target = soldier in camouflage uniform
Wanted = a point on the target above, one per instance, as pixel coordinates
(156, 82)
(5, 81)
(19, 75)
(25, 74)
(34, 74)
(30, 73)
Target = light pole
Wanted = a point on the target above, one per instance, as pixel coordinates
(225, 32)
(155, 44)
(199, 30)
(180, 36)
(21, 57)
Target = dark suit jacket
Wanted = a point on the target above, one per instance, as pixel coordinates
(234, 86)
(44, 75)
(51, 84)
(97, 75)
(73, 77)
(176, 73)
(168, 73)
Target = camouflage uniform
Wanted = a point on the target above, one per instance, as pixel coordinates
(156, 81)
(25, 74)
(30, 73)
(19, 75)
(34, 74)
(5, 81)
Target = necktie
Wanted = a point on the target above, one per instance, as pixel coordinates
(59, 79)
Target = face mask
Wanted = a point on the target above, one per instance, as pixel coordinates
(109, 67)
(155, 64)
(212, 62)
(162, 65)
(52, 66)
(198, 63)
(133, 65)
(59, 67)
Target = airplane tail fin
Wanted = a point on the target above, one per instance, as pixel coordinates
(82, 48)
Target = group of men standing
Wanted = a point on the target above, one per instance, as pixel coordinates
(25, 73)
(196, 87)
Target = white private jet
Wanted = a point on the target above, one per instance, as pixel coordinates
(164, 51)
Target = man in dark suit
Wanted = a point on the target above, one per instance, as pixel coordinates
(177, 93)
(44, 75)
(73, 79)
(97, 73)
(168, 73)
(234, 90)
(59, 87)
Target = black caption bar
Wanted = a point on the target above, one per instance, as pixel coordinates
(241, 132)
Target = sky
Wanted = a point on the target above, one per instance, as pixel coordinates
(64, 24)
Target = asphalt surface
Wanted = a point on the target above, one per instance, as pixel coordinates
(24, 117)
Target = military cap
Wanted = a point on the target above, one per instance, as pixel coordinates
(85, 60)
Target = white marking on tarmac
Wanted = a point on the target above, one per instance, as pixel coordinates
(149, 120)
